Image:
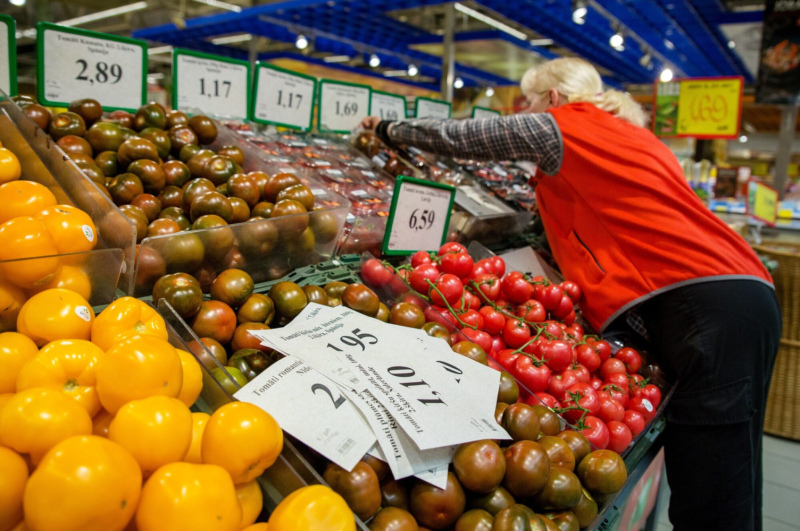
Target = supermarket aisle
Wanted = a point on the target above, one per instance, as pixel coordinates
(781, 487)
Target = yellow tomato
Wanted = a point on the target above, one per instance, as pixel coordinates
(155, 430)
(66, 365)
(4, 398)
(15, 351)
(13, 477)
(312, 508)
(261, 526)
(192, 378)
(55, 314)
(188, 497)
(27, 252)
(252, 501)
(11, 300)
(35, 420)
(199, 421)
(137, 367)
(71, 228)
(101, 422)
(127, 316)
(70, 277)
(10, 169)
(84, 483)
(24, 198)
(243, 439)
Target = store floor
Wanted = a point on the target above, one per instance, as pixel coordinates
(781, 487)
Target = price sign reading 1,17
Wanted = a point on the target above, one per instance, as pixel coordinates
(342, 106)
(74, 64)
(388, 106)
(283, 97)
(419, 216)
(212, 84)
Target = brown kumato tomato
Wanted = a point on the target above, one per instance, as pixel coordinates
(471, 351)
(508, 391)
(521, 422)
(586, 510)
(216, 320)
(474, 520)
(512, 518)
(394, 494)
(393, 519)
(289, 299)
(360, 488)
(232, 287)
(406, 314)
(437, 508)
(360, 298)
(549, 423)
(257, 308)
(494, 501)
(527, 466)
(602, 472)
(181, 291)
(243, 339)
(559, 452)
(577, 443)
(479, 466)
(561, 491)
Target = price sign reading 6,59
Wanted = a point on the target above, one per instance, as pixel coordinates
(74, 64)
(342, 106)
(215, 85)
(419, 216)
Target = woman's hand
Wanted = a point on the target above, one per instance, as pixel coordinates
(370, 123)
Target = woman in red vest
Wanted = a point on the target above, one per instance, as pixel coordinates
(624, 224)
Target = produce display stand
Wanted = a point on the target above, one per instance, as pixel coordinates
(110, 264)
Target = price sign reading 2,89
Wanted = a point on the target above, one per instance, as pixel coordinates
(74, 64)
(212, 84)
(342, 106)
(419, 216)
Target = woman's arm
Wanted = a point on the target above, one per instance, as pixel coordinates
(533, 137)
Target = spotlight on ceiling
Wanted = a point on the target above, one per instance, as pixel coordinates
(666, 75)
(489, 92)
(374, 61)
(413, 70)
(301, 42)
(579, 12)
(458, 83)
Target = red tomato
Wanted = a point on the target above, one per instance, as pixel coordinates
(450, 247)
(635, 421)
(587, 357)
(620, 380)
(437, 314)
(420, 275)
(456, 263)
(504, 306)
(471, 318)
(559, 383)
(643, 406)
(580, 395)
(596, 432)
(572, 290)
(581, 373)
(652, 393)
(570, 318)
(477, 270)
(610, 409)
(447, 288)
(611, 366)
(550, 296)
(564, 308)
(516, 333)
(497, 265)
(506, 358)
(397, 287)
(479, 337)
(533, 375)
(603, 349)
(532, 311)
(376, 274)
(493, 364)
(576, 331)
(515, 288)
(420, 257)
(497, 344)
(557, 354)
(597, 383)
(414, 299)
(493, 321)
(631, 359)
(616, 392)
(489, 285)
(548, 400)
(619, 436)
(552, 328)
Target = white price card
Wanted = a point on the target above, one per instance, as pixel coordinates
(430, 108)
(74, 64)
(342, 106)
(218, 86)
(388, 106)
(311, 408)
(484, 112)
(8, 55)
(283, 98)
(419, 216)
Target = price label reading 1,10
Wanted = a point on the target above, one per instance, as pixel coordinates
(212, 84)
(283, 98)
(388, 106)
(74, 64)
(419, 216)
(342, 106)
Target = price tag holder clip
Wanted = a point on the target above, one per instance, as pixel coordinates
(419, 217)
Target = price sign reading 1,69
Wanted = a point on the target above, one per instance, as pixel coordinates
(283, 97)
(75, 64)
(215, 85)
(419, 216)
(388, 106)
(342, 106)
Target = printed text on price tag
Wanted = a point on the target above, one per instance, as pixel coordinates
(388, 106)
(419, 216)
(283, 98)
(8, 55)
(342, 106)
(74, 64)
(430, 108)
(216, 85)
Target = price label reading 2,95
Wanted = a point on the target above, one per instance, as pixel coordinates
(215, 85)
(74, 64)
(342, 106)
(419, 216)
(283, 98)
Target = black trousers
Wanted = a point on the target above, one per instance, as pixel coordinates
(720, 339)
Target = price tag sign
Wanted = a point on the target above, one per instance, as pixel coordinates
(484, 112)
(388, 106)
(74, 64)
(216, 85)
(8, 50)
(762, 202)
(342, 106)
(419, 216)
(283, 98)
(699, 107)
(430, 108)
(318, 414)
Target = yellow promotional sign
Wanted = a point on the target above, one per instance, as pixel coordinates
(700, 107)
(762, 202)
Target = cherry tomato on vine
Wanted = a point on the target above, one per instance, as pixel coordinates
(437, 314)
(557, 354)
(516, 333)
(479, 269)
(532, 374)
(619, 436)
(580, 395)
(471, 318)
(456, 263)
(419, 276)
(597, 383)
(631, 359)
(489, 285)
(652, 393)
(572, 290)
(581, 373)
(479, 337)
(619, 379)
(596, 432)
(493, 321)
(559, 383)
(643, 406)
(570, 318)
(550, 296)
(498, 344)
(548, 400)
(448, 288)
(451, 247)
(532, 311)
(616, 392)
(515, 288)
(610, 409)
(411, 298)
(376, 274)
(587, 357)
(603, 349)
(498, 266)
(420, 258)
(535, 348)
(576, 331)
(611, 366)
(635, 421)
(506, 359)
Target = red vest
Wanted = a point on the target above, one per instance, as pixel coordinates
(623, 222)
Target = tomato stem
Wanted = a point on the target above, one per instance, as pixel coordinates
(450, 308)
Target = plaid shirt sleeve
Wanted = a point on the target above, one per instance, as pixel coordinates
(532, 137)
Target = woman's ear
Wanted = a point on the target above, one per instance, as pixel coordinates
(554, 98)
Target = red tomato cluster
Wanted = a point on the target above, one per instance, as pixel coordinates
(527, 327)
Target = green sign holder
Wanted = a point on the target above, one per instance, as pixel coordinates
(434, 100)
(180, 51)
(11, 28)
(322, 84)
(260, 65)
(395, 96)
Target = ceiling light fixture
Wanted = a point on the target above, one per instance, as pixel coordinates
(666, 75)
(100, 15)
(221, 5)
(579, 12)
(413, 70)
(374, 61)
(301, 42)
(646, 60)
(743, 139)
(230, 39)
(18, 3)
(395, 73)
(617, 41)
(477, 15)
(731, 44)
(489, 92)
(458, 83)
(541, 42)
(337, 58)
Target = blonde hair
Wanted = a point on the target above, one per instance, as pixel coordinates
(578, 81)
